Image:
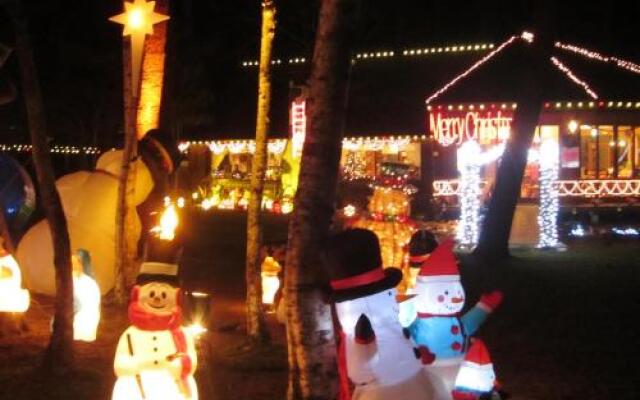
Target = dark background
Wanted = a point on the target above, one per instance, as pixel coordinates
(209, 94)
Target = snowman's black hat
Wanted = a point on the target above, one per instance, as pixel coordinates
(355, 266)
(161, 261)
(421, 244)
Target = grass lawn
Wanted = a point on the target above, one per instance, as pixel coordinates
(565, 330)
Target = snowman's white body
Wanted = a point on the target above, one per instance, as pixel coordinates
(144, 366)
(87, 300)
(386, 368)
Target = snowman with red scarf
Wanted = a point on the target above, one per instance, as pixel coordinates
(440, 330)
(156, 357)
(375, 353)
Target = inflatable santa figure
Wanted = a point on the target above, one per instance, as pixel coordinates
(476, 379)
(86, 298)
(375, 352)
(439, 328)
(156, 357)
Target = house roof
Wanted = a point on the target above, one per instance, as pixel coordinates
(387, 94)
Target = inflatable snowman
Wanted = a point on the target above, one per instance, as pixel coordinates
(86, 298)
(375, 351)
(476, 379)
(13, 298)
(439, 328)
(89, 203)
(156, 357)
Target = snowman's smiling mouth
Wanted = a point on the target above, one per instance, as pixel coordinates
(157, 307)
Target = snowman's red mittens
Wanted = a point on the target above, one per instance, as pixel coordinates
(364, 333)
(424, 355)
(490, 301)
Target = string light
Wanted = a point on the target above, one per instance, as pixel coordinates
(594, 55)
(567, 71)
(27, 148)
(470, 161)
(475, 66)
(566, 188)
(549, 205)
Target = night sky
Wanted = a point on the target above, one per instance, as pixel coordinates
(78, 51)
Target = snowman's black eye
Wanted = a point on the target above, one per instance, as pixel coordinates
(389, 293)
(153, 293)
(164, 295)
(446, 292)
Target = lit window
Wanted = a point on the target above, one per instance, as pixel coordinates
(623, 152)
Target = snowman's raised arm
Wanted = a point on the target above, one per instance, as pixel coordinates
(474, 318)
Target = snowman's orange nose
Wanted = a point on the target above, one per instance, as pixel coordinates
(457, 300)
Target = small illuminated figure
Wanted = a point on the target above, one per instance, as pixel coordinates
(156, 356)
(13, 298)
(270, 281)
(86, 298)
(476, 379)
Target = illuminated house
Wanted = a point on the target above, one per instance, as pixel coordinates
(592, 112)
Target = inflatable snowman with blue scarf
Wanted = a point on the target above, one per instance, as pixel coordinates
(439, 327)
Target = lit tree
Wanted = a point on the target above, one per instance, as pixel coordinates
(59, 357)
(138, 20)
(256, 328)
(311, 345)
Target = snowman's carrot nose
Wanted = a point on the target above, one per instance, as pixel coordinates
(457, 300)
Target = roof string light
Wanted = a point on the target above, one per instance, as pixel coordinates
(594, 55)
(567, 71)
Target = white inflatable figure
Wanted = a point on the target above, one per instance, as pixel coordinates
(476, 379)
(471, 158)
(156, 356)
(375, 351)
(440, 331)
(13, 298)
(86, 298)
(89, 202)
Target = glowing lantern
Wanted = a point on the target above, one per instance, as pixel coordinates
(573, 126)
(287, 206)
(168, 223)
(12, 297)
(270, 281)
(86, 298)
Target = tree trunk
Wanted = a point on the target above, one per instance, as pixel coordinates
(125, 209)
(59, 356)
(312, 349)
(256, 328)
(496, 228)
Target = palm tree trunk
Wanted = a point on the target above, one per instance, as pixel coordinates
(311, 344)
(256, 328)
(125, 208)
(59, 357)
(496, 228)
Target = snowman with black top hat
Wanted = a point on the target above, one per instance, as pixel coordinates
(375, 352)
(156, 357)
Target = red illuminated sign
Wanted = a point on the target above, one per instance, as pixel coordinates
(484, 126)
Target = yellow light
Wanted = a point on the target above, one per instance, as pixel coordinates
(180, 202)
(573, 126)
(12, 297)
(168, 223)
(349, 211)
(270, 281)
(196, 330)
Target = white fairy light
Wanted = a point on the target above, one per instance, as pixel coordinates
(470, 160)
(594, 55)
(548, 213)
(567, 71)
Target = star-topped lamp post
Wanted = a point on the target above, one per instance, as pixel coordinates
(138, 20)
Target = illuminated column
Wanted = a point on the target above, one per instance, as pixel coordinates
(152, 76)
(548, 213)
(469, 193)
